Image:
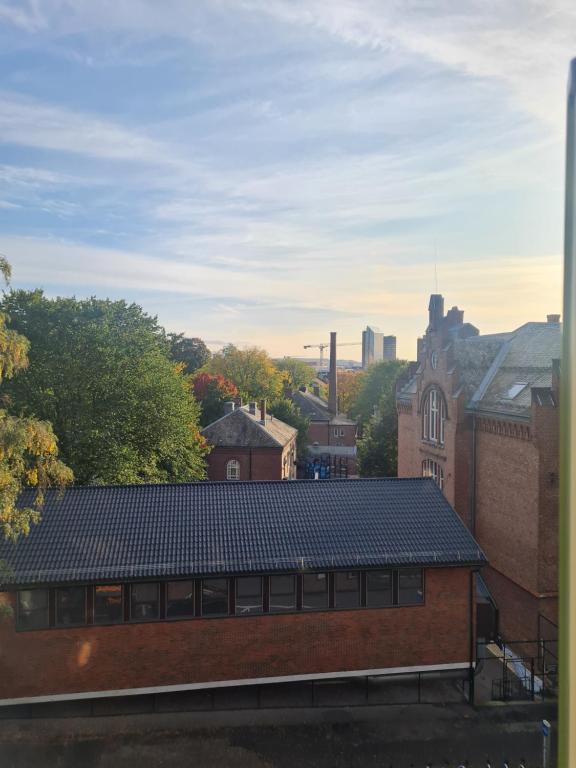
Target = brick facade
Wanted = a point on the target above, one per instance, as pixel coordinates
(255, 463)
(500, 474)
(127, 656)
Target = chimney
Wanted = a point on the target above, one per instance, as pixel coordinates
(229, 407)
(262, 411)
(238, 402)
(332, 388)
(552, 318)
(435, 311)
(252, 408)
(454, 317)
(316, 389)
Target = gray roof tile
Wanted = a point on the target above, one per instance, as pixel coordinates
(107, 533)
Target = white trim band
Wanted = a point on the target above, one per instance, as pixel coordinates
(233, 683)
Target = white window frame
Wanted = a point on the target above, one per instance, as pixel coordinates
(431, 468)
(233, 469)
(434, 417)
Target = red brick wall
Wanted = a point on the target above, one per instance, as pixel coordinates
(201, 650)
(255, 463)
(322, 432)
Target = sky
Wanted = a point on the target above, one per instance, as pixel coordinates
(263, 172)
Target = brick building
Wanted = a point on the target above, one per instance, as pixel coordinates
(250, 444)
(329, 434)
(479, 414)
(139, 589)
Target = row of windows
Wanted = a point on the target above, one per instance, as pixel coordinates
(240, 596)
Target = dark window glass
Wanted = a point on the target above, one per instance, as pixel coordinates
(215, 597)
(179, 599)
(378, 588)
(282, 593)
(144, 602)
(33, 609)
(314, 591)
(410, 590)
(347, 589)
(70, 605)
(248, 595)
(108, 605)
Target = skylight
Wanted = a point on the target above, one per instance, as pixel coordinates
(515, 390)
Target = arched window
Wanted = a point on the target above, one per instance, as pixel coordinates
(431, 468)
(233, 470)
(433, 416)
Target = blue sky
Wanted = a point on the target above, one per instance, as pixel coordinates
(265, 171)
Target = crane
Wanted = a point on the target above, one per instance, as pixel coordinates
(323, 346)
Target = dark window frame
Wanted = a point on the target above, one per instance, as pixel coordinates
(139, 620)
(84, 622)
(49, 624)
(328, 592)
(123, 607)
(236, 579)
(166, 593)
(230, 590)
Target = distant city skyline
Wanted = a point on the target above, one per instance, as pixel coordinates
(265, 173)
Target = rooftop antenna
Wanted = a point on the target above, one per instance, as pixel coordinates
(435, 267)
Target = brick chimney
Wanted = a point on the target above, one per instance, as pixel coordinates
(552, 318)
(252, 408)
(229, 407)
(454, 317)
(435, 311)
(262, 411)
(332, 386)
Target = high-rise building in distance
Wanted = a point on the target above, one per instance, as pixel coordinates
(377, 347)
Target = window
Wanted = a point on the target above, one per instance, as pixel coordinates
(233, 470)
(215, 597)
(179, 599)
(335, 432)
(515, 390)
(410, 589)
(379, 589)
(342, 433)
(347, 589)
(314, 591)
(431, 468)
(70, 606)
(144, 603)
(282, 593)
(248, 595)
(433, 417)
(108, 604)
(33, 609)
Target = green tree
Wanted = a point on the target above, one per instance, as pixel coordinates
(379, 379)
(28, 447)
(100, 372)
(286, 411)
(192, 352)
(251, 370)
(295, 373)
(376, 409)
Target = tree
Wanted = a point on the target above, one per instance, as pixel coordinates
(379, 379)
(376, 409)
(212, 391)
(349, 386)
(100, 372)
(28, 447)
(286, 411)
(251, 370)
(296, 373)
(192, 352)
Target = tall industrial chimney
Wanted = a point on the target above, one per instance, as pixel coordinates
(332, 387)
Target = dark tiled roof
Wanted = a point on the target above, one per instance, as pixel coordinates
(315, 409)
(241, 429)
(152, 531)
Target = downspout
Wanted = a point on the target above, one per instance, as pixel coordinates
(473, 479)
(472, 649)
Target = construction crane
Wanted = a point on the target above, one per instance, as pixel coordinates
(322, 347)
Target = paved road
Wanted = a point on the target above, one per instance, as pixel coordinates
(382, 737)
